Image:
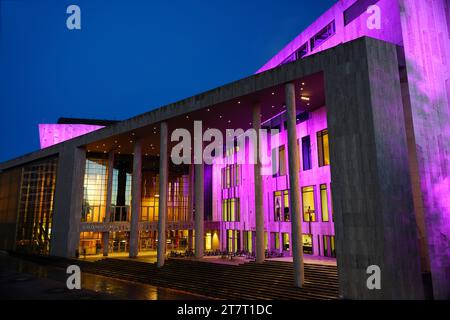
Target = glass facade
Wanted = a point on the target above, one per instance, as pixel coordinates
(95, 185)
(35, 210)
(231, 209)
(178, 199)
(9, 200)
(150, 197)
(323, 148)
(121, 189)
(324, 203)
(309, 212)
(231, 176)
(281, 206)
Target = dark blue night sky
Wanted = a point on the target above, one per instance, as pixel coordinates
(130, 56)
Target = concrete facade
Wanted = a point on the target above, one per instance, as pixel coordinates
(387, 114)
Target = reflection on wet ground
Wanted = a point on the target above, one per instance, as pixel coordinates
(20, 279)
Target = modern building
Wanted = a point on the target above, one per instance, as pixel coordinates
(362, 158)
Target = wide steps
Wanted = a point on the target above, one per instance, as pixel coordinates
(269, 280)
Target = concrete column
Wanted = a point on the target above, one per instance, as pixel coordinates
(68, 204)
(294, 188)
(372, 194)
(259, 210)
(108, 201)
(163, 185)
(136, 186)
(199, 210)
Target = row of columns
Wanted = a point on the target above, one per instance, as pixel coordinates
(297, 250)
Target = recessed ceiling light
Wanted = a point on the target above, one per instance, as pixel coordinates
(303, 83)
(273, 93)
(131, 141)
(304, 98)
(132, 133)
(115, 141)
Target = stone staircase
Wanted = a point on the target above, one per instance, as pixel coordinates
(269, 280)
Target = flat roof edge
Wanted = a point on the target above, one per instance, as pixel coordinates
(254, 83)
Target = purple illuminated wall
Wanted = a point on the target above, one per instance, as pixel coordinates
(426, 39)
(245, 192)
(423, 29)
(390, 29)
(50, 134)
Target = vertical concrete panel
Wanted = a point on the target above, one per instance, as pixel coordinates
(426, 30)
(371, 187)
(68, 201)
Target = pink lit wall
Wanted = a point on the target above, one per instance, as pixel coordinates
(245, 192)
(51, 134)
(423, 29)
(390, 30)
(426, 38)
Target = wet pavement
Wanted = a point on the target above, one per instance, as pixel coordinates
(21, 279)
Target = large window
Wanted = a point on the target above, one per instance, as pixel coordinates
(150, 197)
(95, 185)
(323, 35)
(323, 148)
(36, 207)
(297, 54)
(329, 249)
(121, 189)
(306, 153)
(178, 199)
(281, 206)
(356, 10)
(231, 176)
(309, 212)
(324, 202)
(248, 241)
(230, 209)
(307, 244)
(233, 240)
(286, 244)
(281, 169)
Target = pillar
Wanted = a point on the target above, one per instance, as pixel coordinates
(68, 201)
(259, 210)
(199, 210)
(163, 185)
(136, 185)
(371, 190)
(108, 202)
(191, 206)
(294, 188)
